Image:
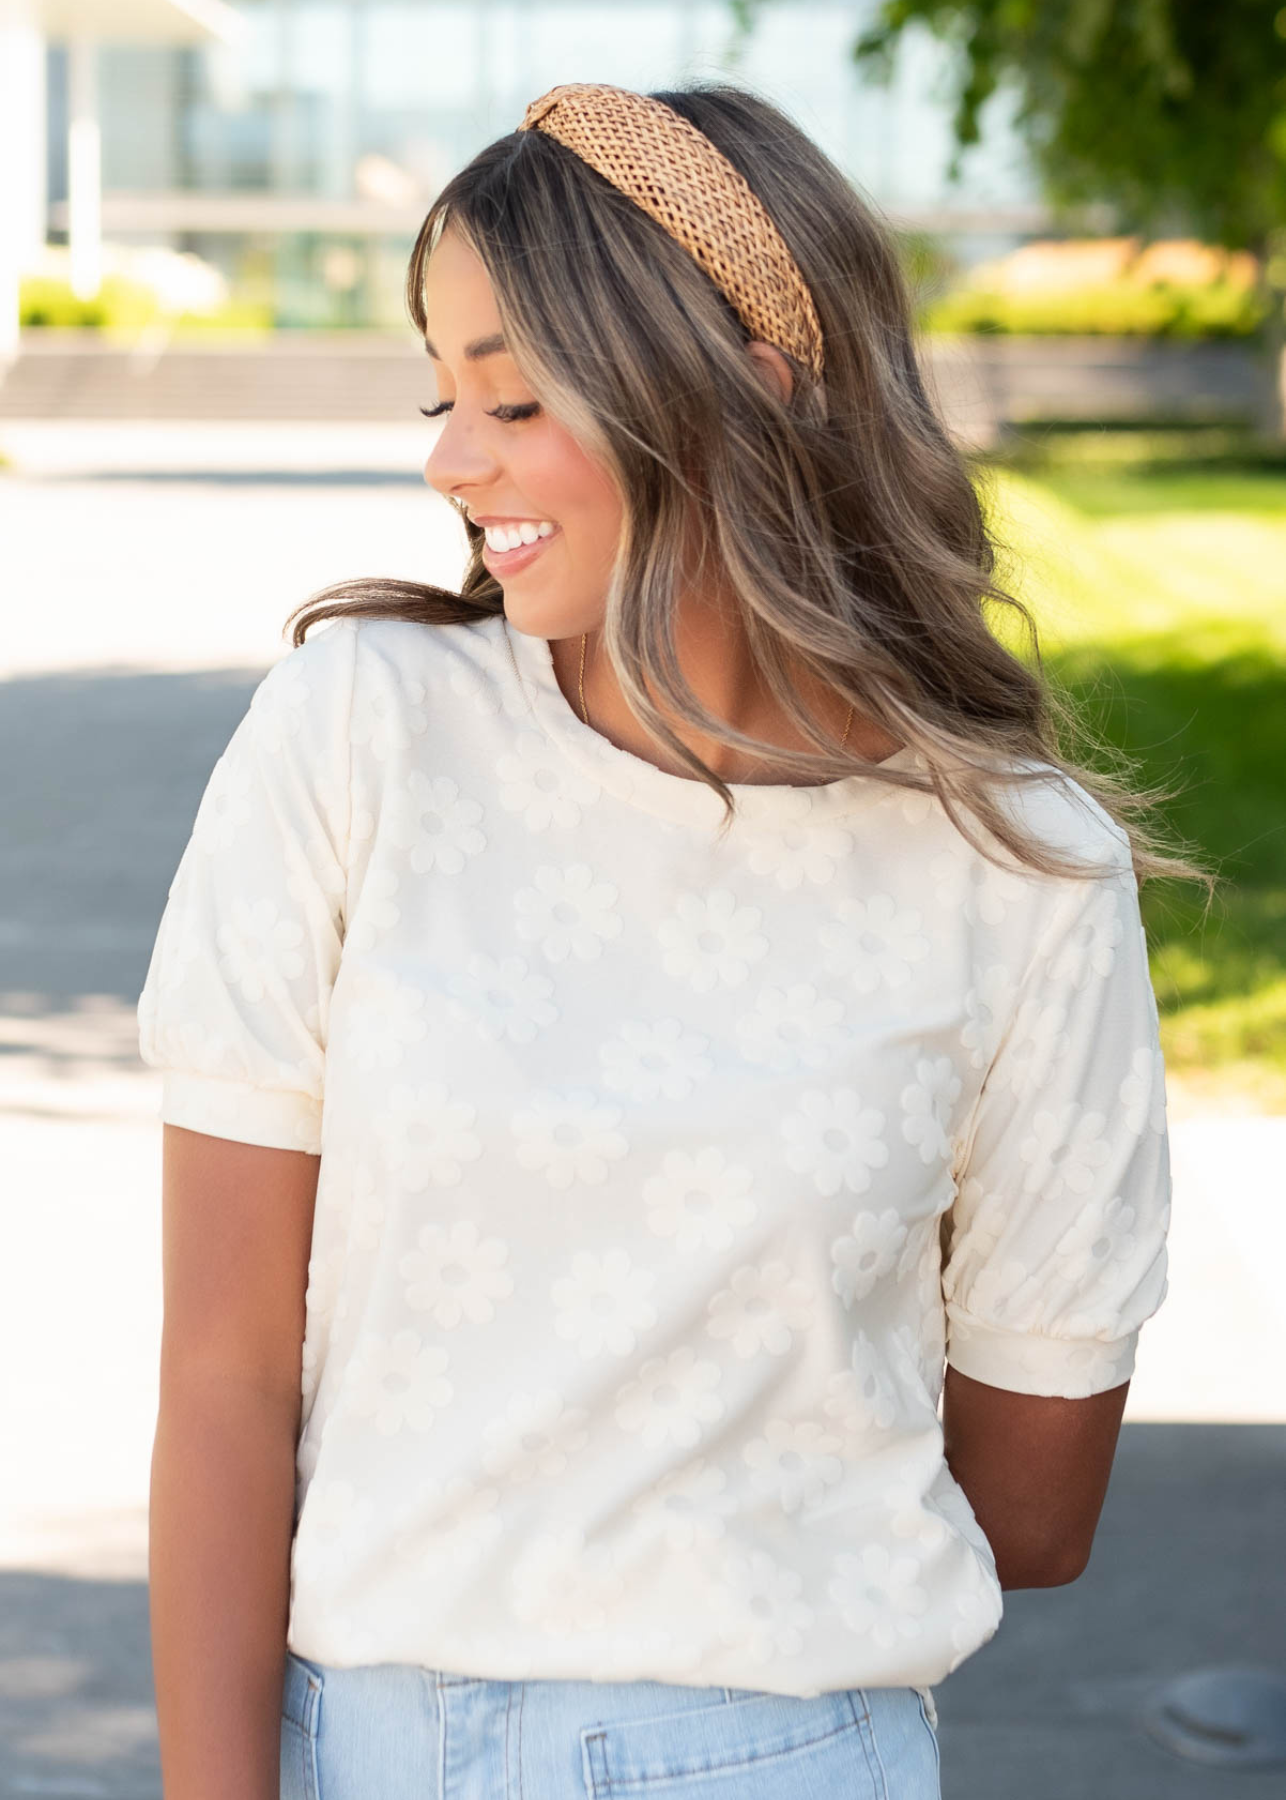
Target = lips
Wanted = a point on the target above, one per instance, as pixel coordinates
(510, 562)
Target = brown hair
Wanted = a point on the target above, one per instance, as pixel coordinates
(843, 523)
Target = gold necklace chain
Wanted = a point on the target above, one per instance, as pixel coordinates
(585, 714)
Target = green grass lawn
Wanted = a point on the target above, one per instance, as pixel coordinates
(1160, 596)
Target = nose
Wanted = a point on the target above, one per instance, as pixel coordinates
(458, 459)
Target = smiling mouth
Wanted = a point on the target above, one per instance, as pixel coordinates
(519, 555)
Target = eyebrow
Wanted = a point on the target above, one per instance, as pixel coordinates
(484, 346)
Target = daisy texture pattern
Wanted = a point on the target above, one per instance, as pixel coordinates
(660, 1176)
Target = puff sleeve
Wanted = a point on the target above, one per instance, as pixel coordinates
(234, 1008)
(1055, 1245)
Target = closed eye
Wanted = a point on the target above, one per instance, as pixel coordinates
(507, 414)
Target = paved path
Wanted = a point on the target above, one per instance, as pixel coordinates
(151, 575)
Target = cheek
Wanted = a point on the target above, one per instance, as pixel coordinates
(570, 487)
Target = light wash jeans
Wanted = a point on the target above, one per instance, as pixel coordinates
(395, 1731)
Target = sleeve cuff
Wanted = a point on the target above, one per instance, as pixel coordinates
(279, 1119)
(1025, 1363)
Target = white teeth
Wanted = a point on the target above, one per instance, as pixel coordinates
(500, 537)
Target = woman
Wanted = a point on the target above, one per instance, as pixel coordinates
(729, 1008)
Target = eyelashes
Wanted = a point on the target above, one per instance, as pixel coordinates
(507, 414)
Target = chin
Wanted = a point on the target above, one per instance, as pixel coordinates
(535, 619)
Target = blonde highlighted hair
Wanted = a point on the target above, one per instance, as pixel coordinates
(842, 525)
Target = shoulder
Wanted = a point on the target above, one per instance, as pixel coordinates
(304, 696)
(1058, 812)
(1014, 911)
(343, 661)
(309, 675)
(412, 678)
(414, 651)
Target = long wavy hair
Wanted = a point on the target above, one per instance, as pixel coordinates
(842, 525)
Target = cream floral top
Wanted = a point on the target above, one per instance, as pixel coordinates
(658, 1174)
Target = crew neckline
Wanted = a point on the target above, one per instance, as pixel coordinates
(680, 798)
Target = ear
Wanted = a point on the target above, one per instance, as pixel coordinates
(772, 369)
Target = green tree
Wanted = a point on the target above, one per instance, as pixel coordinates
(1172, 111)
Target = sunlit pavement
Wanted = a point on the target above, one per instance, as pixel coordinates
(145, 575)
(135, 546)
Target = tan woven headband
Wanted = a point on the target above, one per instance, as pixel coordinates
(673, 171)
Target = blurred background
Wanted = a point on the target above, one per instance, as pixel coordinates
(208, 410)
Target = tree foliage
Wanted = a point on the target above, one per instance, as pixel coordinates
(1174, 111)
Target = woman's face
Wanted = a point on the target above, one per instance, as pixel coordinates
(514, 473)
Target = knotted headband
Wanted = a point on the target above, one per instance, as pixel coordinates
(674, 173)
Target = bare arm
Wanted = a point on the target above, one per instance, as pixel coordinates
(1035, 1472)
(237, 1233)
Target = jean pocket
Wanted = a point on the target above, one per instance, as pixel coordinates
(755, 1747)
(301, 1693)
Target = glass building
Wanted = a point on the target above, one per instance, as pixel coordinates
(301, 160)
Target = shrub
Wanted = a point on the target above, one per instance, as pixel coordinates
(123, 308)
(1107, 286)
